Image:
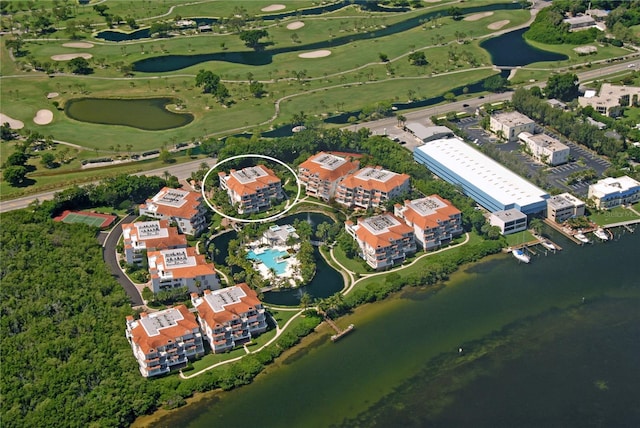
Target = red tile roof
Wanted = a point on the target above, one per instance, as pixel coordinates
(385, 237)
(187, 210)
(231, 311)
(392, 180)
(327, 174)
(431, 220)
(165, 335)
(200, 268)
(251, 187)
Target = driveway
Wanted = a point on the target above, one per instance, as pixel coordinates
(109, 256)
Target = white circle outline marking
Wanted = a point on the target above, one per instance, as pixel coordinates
(242, 220)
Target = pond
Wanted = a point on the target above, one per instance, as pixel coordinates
(167, 63)
(327, 281)
(149, 114)
(512, 50)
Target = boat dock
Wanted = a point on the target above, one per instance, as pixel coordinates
(339, 332)
(566, 232)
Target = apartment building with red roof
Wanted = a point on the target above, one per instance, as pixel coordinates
(164, 340)
(230, 316)
(251, 189)
(181, 206)
(435, 221)
(321, 173)
(370, 187)
(384, 240)
(143, 236)
(181, 267)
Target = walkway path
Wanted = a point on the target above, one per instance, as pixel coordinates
(279, 331)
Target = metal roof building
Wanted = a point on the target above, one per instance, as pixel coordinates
(486, 181)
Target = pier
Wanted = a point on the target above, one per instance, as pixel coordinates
(339, 332)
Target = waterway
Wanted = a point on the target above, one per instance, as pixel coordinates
(512, 50)
(552, 343)
(326, 281)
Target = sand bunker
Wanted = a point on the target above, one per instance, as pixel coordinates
(43, 117)
(432, 1)
(67, 57)
(81, 45)
(315, 54)
(477, 16)
(52, 95)
(295, 25)
(13, 123)
(498, 25)
(273, 8)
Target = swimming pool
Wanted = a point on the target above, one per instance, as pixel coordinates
(270, 259)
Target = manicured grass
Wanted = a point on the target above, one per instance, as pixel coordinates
(519, 238)
(355, 266)
(614, 215)
(281, 317)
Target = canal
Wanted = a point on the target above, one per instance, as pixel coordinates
(552, 343)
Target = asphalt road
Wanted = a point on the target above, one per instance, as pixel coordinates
(183, 171)
(109, 256)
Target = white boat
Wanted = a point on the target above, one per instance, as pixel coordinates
(600, 233)
(521, 256)
(548, 245)
(581, 237)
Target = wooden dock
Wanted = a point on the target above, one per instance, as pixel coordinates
(339, 332)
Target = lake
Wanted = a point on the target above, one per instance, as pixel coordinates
(534, 353)
(326, 282)
(512, 50)
(149, 114)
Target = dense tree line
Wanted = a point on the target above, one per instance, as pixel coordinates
(569, 124)
(549, 28)
(65, 359)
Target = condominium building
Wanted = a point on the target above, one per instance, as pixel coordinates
(251, 189)
(563, 207)
(611, 192)
(321, 173)
(180, 206)
(143, 236)
(230, 316)
(384, 240)
(181, 267)
(371, 187)
(435, 220)
(509, 124)
(609, 100)
(545, 148)
(509, 221)
(164, 340)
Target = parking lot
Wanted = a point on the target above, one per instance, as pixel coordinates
(581, 158)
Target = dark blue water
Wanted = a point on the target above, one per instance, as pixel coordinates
(512, 50)
(327, 281)
(167, 63)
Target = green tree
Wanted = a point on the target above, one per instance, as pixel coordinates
(79, 65)
(208, 81)
(563, 87)
(17, 158)
(48, 159)
(251, 38)
(417, 58)
(256, 88)
(14, 175)
(165, 156)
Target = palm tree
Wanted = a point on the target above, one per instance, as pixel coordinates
(305, 300)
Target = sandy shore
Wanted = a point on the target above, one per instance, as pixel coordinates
(13, 123)
(67, 57)
(273, 8)
(43, 117)
(477, 16)
(295, 25)
(498, 25)
(315, 54)
(81, 45)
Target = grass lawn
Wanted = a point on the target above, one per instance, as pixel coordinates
(353, 265)
(519, 238)
(614, 215)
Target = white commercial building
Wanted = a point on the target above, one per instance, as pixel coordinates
(486, 181)
(563, 207)
(545, 148)
(611, 192)
(509, 221)
(509, 124)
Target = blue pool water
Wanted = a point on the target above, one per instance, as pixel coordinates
(269, 257)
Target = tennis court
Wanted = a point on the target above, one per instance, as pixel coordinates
(86, 217)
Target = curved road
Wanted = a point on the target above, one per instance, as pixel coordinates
(109, 256)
